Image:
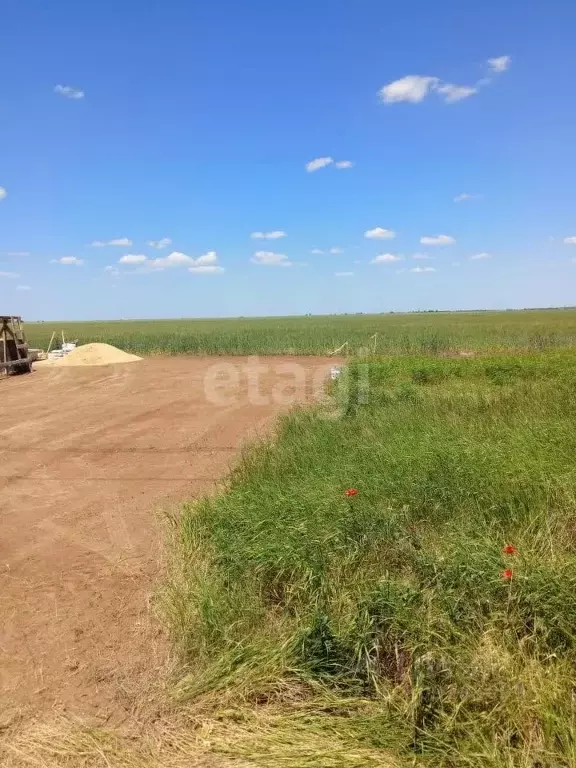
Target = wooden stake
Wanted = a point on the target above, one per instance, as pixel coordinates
(339, 349)
(51, 340)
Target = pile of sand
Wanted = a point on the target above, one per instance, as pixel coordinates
(96, 354)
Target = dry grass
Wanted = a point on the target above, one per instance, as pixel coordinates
(207, 735)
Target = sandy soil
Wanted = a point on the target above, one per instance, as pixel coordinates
(89, 457)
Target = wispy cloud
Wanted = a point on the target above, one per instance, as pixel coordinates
(386, 258)
(455, 93)
(133, 258)
(421, 270)
(274, 235)
(332, 251)
(318, 162)
(343, 274)
(23, 287)
(122, 241)
(67, 260)
(437, 240)
(323, 162)
(379, 233)
(9, 275)
(271, 259)
(3, 193)
(164, 242)
(480, 256)
(412, 88)
(112, 271)
(18, 254)
(463, 196)
(570, 240)
(421, 256)
(499, 63)
(69, 92)
(415, 88)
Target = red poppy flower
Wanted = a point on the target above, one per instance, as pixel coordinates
(510, 550)
(351, 492)
(507, 574)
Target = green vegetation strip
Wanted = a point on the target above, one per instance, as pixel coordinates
(430, 332)
(428, 619)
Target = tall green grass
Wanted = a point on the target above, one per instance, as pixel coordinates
(382, 622)
(428, 333)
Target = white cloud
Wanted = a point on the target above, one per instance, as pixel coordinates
(343, 274)
(207, 269)
(207, 258)
(112, 271)
(319, 162)
(3, 193)
(421, 256)
(69, 92)
(420, 270)
(570, 240)
(415, 88)
(176, 259)
(18, 254)
(270, 258)
(455, 263)
(9, 274)
(23, 287)
(317, 251)
(67, 260)
(343, 164)
(455, 93)
(124, 241)
(275, 235)
(499, 63)
(335, 251)
(378, 233)
(133, 258)
(479, 256)
(464, 196)
(385, 258)
(159, 244)
(437, 240)
(412, 88)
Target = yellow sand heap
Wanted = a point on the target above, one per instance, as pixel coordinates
(96, 354)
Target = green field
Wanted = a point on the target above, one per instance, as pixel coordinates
(381, 628)
(428, 620)
(397, 333)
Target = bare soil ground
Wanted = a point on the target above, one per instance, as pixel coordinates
(88, 459)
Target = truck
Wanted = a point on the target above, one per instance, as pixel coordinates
(14, 353)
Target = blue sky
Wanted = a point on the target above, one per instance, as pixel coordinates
(195, 122)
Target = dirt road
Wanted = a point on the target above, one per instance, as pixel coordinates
(89, 457)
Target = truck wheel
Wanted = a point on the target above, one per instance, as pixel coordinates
(22, 368)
